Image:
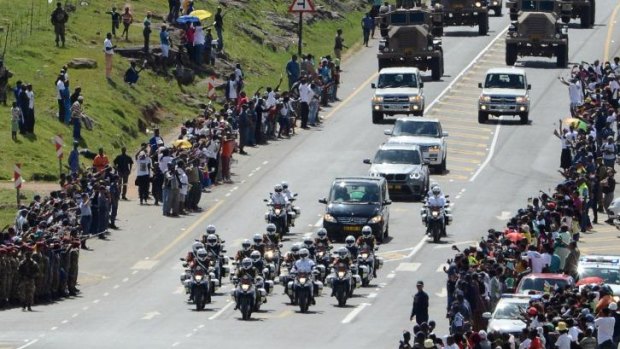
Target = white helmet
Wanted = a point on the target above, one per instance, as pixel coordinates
(255, 256)
(284, 185)
(197, 246)
(211, 229)
(322, 234)
(246, 263)
(271, 229)
(343, 252)
(436, 190)
(246, 244)
(258, 239)
(366, 231)
(201, 254)
(304, 253)
(350, 240)
(277, 188)
(212, 240)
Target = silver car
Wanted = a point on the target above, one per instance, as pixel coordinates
(427, 134)
(404, 168)
(507, 315)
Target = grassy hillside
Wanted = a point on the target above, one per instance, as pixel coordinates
(117, 108)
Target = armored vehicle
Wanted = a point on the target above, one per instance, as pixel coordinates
(538, 32)
(411, 40)
(582, 9)
(465, 13)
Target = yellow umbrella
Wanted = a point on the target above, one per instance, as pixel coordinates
(201, 14)
(182, 143)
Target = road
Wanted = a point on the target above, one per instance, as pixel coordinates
(131, 295)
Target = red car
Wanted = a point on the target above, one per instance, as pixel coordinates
(543, 283)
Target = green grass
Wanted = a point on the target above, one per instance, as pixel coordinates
(8, 204)
(118, 109)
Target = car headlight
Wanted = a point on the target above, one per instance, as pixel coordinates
(415, 175)
(564, 29)
(478, 4)
(494, 3)
(433, 148)
(557, 36)
(485, 99)
(521, 99)
(415, 98)
(377, 99)
(430, 48)
(329, 218)
(374, 174)
(375, 219)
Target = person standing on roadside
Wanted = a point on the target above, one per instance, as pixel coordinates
(419, 311)
(74, 159)
(127, 19)
(339, 44)
(605, 329)
(123, 164)
(292, 71)
(16, 116)
(108, 49)
(218, 23)
(76, 118)
(146, 32)
(101, 161)
(305, 97)
(28, 272)
(143, 176)
(60, 92)
(59, 18)
(29, 119)
(164, 40)
(116, 20)
(368, 23)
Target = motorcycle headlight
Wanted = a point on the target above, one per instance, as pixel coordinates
(478, 4)
(341, 274)
(302, 280)
(521, 99)
(435, 213)
(364, 255)
(245, 287)
(565, 30)
(329, 218)
(485, 99)
(413, 99)
(415, 175)
(269, 254)
(198, 277)
(375, 219)
(277, 211)
(377, 99)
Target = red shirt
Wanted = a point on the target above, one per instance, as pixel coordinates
(189, 35)
(536, 344)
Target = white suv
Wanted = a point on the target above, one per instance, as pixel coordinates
(505, 91)
(425, 133)
(399, 90)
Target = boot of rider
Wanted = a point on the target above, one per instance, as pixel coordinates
(236, 302)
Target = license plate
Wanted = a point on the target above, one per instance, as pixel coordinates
(353, 228)
(394, 106)
(394, 186)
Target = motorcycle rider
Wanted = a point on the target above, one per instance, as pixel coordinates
(246, 270)
(436, 199)
(305, 265)
(244, 252)
(278, 198)
(322, 240)
(369, 240)
(309, 245)
(213, 245)
(201, 260)
(344, 258)
(292, 256)
(289, 196)
(257, 260)
(258, 244)
(351, 246)
(271, 237)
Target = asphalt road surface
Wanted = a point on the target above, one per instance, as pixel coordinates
(131, 296)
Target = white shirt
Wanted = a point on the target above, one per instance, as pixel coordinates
(60, 86)
(575, 92)
(163, 163)
(609, 151)
(143, 166)
(271, 100)
(605, 327)
(184, 181)
(563, 341)
(232, 89)
(107, 47)
(303, 265)
(574, 333)
(305, 93)
(525, 344)
(199, 36)
(238, 74)
(538, 262)
(30, 95)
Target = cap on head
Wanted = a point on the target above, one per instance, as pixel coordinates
(420, 283)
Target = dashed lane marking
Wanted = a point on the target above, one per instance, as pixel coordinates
(221, 311)
(28, 344)
(469, 144)
(408, 267)
(144, 265)
(468, 152)
(355, 312)
(468, 135)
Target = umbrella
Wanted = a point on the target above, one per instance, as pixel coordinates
(576, 123)
(182, 143)
(201, 14)
(590, 280)
(187, 19)
(514, 237)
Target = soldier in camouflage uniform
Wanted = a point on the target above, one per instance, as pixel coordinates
(37, 256)
(4, 277)
(14, 276)
(28, 271)
(55, 270)
(64, 270)
(74, 256)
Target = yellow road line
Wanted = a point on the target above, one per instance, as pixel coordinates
(461, 168)
(478, 129)
(468, 135)
(469, 144)
(451, 177)
(468, 152)
(187, 231)
(610, 29)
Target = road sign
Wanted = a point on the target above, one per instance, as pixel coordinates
(301, 6)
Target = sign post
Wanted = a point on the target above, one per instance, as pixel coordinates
(58, 144)
(301, 6)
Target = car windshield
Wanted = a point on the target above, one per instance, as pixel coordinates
(418, 128)
(609, 276)
(397, 80)
(513, 81)
(355, 192)
(398, 18)
(397, 156)
(509, 310)
(541, 284)
(416, 18)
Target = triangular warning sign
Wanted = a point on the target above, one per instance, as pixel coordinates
(301, 6)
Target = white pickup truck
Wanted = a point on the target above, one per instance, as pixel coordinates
(399, 90)
(505, 91)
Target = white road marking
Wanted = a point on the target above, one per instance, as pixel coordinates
(188, 335)
(390, 275)
(175, 344)
(443, 293)
(227, 194)
(319, 223)
(372, 295)
(221, 311)
(96, 301)
(54, 328)
(257, 169)
(85, 308)
(116, 286)
(265, 162)
(143, 265)
(75, 315)
(354, 313)
(201, 326)
(251, 174)
(134, 272)
(125, 279)
(489, 156)
(28, 344)
(106, 294)
(408, 267)
(64, 321)
(150, 315)
(505, 215)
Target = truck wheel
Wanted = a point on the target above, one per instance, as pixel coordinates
(444, 165)
(483, 23)
(592, 12)
(436, 67)
(377, 117)
(483, 117)
(562, 56)
(497, 11)
(565, 19)
(586, 17)
(511, 54)
(437, 31)
(525, 117)
(513, 16)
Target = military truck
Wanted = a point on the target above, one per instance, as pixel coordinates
(537, 32)
(412, 40)
(585, 10)
(464, 13)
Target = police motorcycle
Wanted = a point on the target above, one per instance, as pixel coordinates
(199, 280)
(219, 262)
(273, 260)
(323, 260)
(366, 261)
(277, 213)
(249, 292)
(303, 287)
(436, 217)
(292, 211)
(263, 271)
(344, 278)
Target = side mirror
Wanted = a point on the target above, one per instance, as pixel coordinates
(387, 132)
(387, 202)
(323, 201)
(479, 85)
(295, 195)
(366, 161)
(372, 85)
(529, 87)
(445, 134)
(182, 259)
(223, 241)
(265, 200)
(486, 315)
